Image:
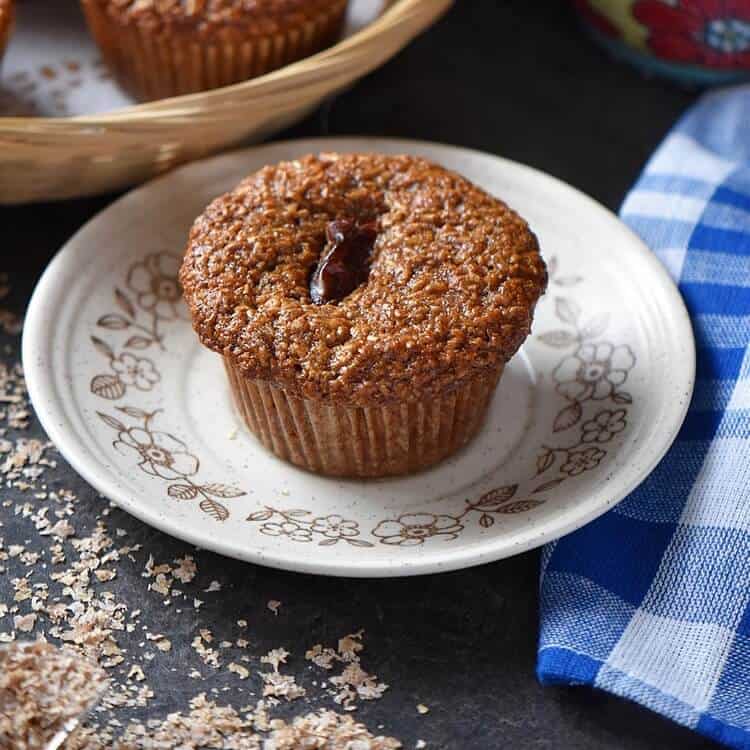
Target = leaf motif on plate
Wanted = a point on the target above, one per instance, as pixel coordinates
(103, 347)
(521, 506)
(486, 520)
(567, 310)
(568, 280)
(568, 417)
(214, 509)
(112, 422)
(498, 496)
(138, 342)
(558, 339)
(222, 490)
(182, 491)
(358, 542)
(113, 322)
(544, 461)
(108, 386)
(133, 411)
(595, 327)
(549, 485)
(260, 516)
(124, 302)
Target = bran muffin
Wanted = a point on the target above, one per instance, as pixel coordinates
(163, 48)
(7, 14)
(364, 305)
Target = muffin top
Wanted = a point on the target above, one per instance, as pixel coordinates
(209, 17)
(427, 281)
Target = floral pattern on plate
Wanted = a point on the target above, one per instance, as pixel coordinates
(591, 373)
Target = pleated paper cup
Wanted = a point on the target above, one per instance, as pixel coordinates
(152, 66)
(356, 441)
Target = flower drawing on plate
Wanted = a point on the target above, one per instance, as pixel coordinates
(593, 371)
(604, 426)
(303, 526)
(155, 282)
(335, 527)
(589, 377)
(153, 297)
(579, 461)
(136, 371)
(410, 529)
(291, 529)
(163, 456)
(702, 32)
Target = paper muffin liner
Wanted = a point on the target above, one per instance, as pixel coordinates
(153, 67)
(375, 441)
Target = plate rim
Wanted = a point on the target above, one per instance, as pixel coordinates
(51, 414)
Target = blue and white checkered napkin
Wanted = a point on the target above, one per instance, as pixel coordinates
(652, 600)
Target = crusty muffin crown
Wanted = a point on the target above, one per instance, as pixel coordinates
(246, 17)
(454, 278)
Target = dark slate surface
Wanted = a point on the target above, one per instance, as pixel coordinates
(516, 79)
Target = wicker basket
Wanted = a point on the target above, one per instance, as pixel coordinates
(51, 158)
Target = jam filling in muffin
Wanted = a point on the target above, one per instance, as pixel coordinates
(365, 306)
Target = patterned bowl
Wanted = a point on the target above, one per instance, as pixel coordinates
(695, 42)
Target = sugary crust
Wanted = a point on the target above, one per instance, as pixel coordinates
(215, 19)
(455, 275)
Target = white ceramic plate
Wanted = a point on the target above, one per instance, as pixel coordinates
(141, 410)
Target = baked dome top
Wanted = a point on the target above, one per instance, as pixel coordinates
(248, 17)
(453, 280)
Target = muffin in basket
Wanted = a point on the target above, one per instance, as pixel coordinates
(6, 23)
(163, 48)
(364, 305)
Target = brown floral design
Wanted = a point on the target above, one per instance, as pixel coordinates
(410, 529)
(136, 371)
(303, 526)
(579, 461)
(591, 373)
(154, 298)
(407, 530)
(164, 456)
(594, 371)
(604, 426)
(154, 281)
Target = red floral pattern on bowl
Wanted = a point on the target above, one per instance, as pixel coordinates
(714, 33)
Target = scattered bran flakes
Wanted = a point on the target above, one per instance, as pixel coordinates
(89, 620)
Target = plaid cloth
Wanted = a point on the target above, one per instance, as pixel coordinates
(652, 600)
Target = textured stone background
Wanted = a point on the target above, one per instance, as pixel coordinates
(513, 78)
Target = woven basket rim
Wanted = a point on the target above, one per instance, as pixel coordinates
(323, 66)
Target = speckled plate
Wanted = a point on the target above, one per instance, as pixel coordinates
(583, 413)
